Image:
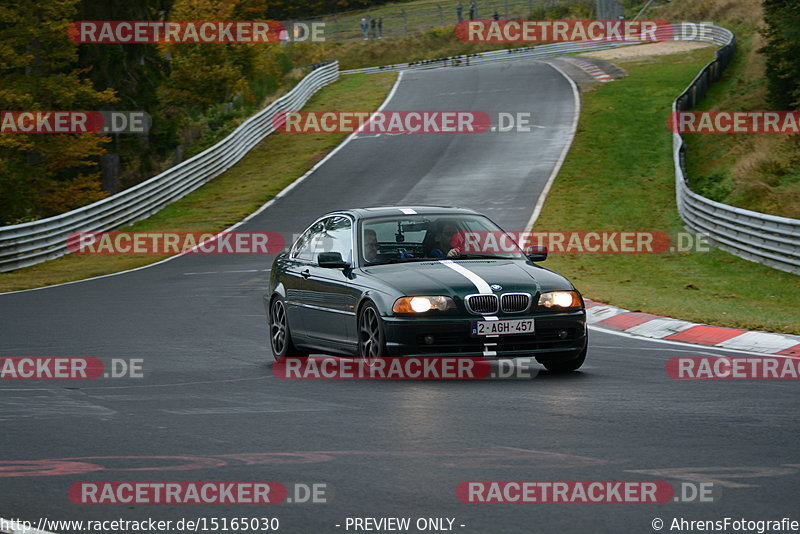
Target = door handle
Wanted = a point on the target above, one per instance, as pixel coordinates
(305, 274)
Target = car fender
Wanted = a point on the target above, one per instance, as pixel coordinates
(279, 289)
(383, 301)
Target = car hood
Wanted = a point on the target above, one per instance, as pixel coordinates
(435, 277)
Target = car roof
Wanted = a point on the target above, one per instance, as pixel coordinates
(383, 211)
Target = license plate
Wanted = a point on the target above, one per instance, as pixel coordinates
(502, 328)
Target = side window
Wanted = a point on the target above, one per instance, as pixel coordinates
(338, 237)
(303, 248)
(328, 235)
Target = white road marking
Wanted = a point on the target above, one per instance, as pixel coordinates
(244, 271)
(574, 128)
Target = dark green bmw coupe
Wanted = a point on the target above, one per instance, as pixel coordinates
(394, 281)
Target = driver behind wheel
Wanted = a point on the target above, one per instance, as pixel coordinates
(370, 245)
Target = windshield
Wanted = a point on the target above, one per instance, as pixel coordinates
(410, 238)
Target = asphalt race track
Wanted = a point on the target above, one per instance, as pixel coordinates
(209, 407)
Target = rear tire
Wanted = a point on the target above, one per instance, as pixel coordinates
(279, 335)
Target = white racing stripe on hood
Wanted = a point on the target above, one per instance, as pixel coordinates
(481, 284)
(408, 211)
(482, 287)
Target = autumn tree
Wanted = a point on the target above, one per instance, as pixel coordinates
(45, 174)
(220, 81)
(135, 71)
(205, 73)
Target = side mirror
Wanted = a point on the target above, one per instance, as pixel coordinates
(536, 253)
(331, 260)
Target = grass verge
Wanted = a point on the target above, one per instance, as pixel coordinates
(619, 176)
(265, 171)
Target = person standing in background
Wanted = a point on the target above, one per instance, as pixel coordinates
(473, 10)
(380, 28)
(373, 27)
(365, 28)
(460, 11)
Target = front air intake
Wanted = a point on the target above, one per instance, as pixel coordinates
(482, 304)
(515, 302)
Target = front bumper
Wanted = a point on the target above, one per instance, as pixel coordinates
(561, 335)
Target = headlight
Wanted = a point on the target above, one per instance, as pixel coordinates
(560, 299)
(422, 304)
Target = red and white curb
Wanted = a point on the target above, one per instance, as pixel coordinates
(657, 327)
(592, 70)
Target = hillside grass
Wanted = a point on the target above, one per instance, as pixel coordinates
(619, 176)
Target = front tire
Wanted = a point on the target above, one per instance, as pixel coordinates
(279, 335)
(566, 366)
(371, 337)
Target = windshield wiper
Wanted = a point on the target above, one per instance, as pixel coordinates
(471, 256)
(403, 260)
(399, 260)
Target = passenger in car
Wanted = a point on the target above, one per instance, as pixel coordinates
(444, 241)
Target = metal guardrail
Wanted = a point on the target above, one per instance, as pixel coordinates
(26, 244)
(758, 237)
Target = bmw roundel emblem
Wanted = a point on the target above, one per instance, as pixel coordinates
(496, 287)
